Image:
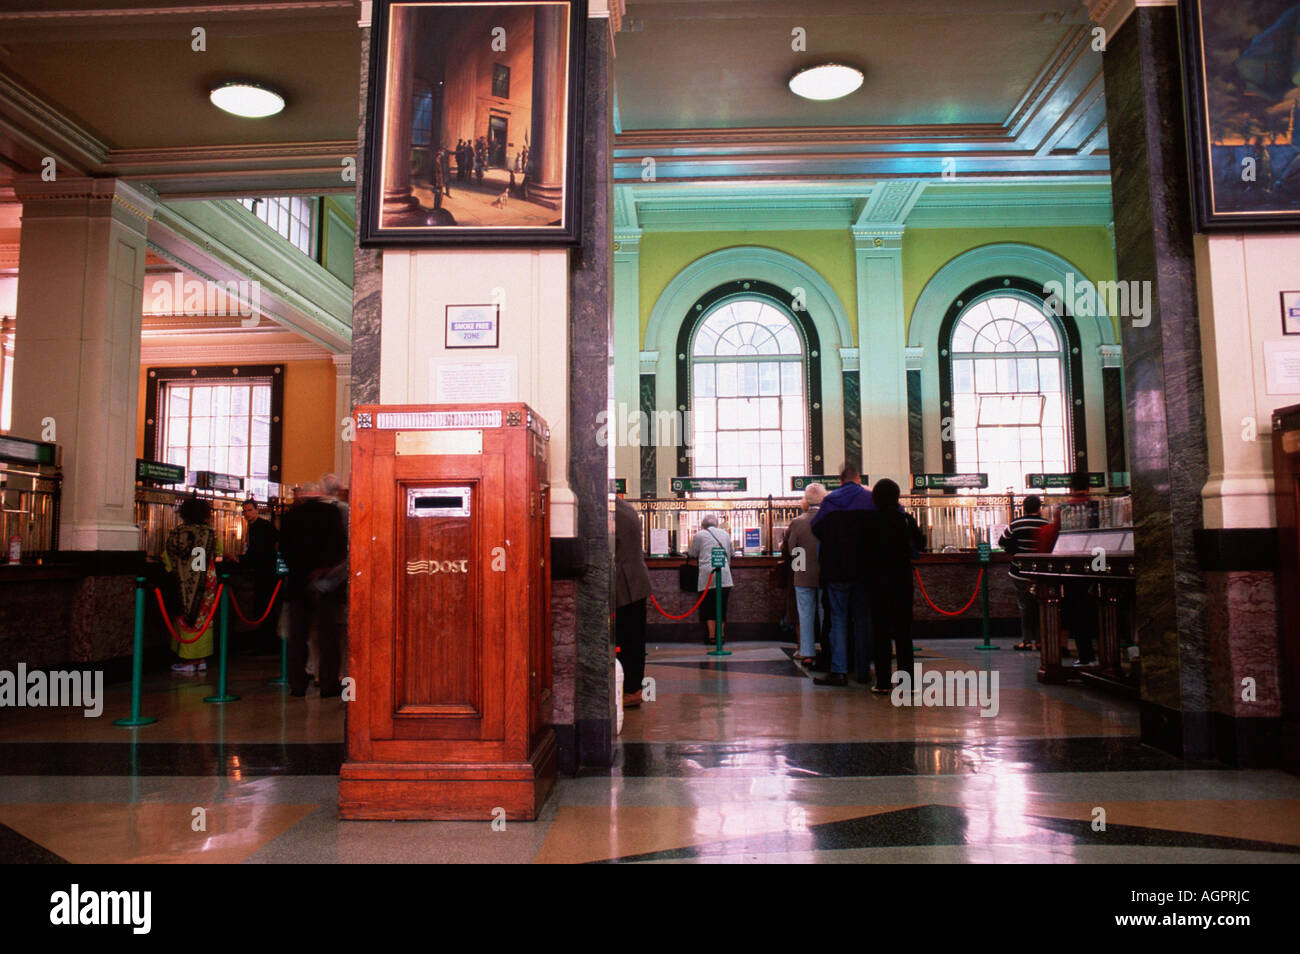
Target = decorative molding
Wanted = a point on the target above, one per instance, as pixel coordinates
(649, 362)
(134, 206)
(878, 235)
(1112, 355)
(849, 359)
(890, 202)
(248, 352)
(627, 242)
(342, 361)
(179, 10)
(914, 358)
(1112, 14)
(363, 20)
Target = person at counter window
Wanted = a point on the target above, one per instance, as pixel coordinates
(631, 587)
(893, 541)
(1078, 614)
(1021, 536)
(701, 548)
(191, 553)
(802, 544)
(840, 526)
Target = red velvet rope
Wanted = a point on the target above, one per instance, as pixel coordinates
(692, 609)
(978, 580)
(206, 623)
(258, 621)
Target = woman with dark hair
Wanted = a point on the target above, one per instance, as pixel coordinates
(893, 540)
(191, 553)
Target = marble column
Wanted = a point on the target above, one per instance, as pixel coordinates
(398, 200)
(589, 317)
(367, 270)
(878, 253)
(80, 301)
(1165, 412)
(627, 358)
(547, 144)
(342, 410)
(915, 410)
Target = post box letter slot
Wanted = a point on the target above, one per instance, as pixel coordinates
(437, 502)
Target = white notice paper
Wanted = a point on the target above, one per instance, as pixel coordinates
(475, 382)
(658, 542)
(1282, 367)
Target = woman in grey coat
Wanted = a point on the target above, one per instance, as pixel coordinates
(701, 549)
(801, 544)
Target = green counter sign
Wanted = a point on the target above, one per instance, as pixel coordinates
(618, 485)
(985, 552)
(19, 450)
(950, 481)
(709, 485)
(719, 558)
(159, 472)
(1054, 481)
(800, 484)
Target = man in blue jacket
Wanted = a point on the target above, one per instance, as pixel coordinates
(840, 526)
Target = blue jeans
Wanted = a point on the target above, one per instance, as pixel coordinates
(808, 599)
(851, 599)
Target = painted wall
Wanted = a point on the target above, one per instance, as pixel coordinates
(664, 254)
(1240, 279)
(925, 251)
(308, 449)
(830, 252)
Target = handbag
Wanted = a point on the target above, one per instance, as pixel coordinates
(688, 576)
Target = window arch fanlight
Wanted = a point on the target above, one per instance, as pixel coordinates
(1010, 384)
(749, 372)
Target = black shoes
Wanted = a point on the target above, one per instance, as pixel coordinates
(833, 679)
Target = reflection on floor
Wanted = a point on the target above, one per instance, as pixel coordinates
(742, 759)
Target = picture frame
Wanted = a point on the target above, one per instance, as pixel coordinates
(1290, 312)
(472, 326)
(480, 169)
(1242, 112)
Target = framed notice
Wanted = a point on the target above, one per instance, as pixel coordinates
(1291, 313)
(1282, 366)
(473, 326)
(473, 123)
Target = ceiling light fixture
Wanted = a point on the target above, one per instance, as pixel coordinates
(250, 100)
(827, 81)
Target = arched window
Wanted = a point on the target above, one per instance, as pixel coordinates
(749, 395)
(1010, 387)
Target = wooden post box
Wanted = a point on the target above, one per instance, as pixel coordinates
(450, 614)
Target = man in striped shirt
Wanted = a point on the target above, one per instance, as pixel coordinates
(1022, 537)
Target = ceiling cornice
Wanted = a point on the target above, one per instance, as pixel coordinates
(1112, 14)
(178, 10)
(244, 352)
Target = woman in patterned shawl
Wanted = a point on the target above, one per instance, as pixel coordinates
(191, 553)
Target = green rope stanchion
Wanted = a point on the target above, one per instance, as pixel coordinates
(985, 554)
(719, 562)
(224, 632)
(137, 662)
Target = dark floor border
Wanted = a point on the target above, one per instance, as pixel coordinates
(873, 759)
(170, 758)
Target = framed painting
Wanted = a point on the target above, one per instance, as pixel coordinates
(473, 131)
(1241, 66)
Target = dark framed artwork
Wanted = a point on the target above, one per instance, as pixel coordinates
(473, 133)
(1241, 67)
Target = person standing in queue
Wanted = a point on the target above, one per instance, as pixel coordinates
(840, 524)
(258, 561)
(191, 553)
(314, 543)
(801, 544)
(631, 588)
(701, 548)
(893, 541)
(1021, 536)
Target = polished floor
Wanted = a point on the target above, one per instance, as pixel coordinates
(735, 760)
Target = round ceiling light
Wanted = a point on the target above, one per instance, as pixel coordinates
(828, 81)
(247, 99)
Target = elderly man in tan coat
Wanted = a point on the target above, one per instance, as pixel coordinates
(631, 588)
(801, 544)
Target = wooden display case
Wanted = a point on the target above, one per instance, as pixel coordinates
(450, 615)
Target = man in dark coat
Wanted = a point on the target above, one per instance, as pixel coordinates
(314, 544)
(631, 588)
(259, 562)
(840, 526)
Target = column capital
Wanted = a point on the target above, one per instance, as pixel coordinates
(627, 242)
(71, 196)
(887, 236)
(649, 362)
(342, 362)
(914, 358)
(1111, 14)
(849, 358)
(1112, 355)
